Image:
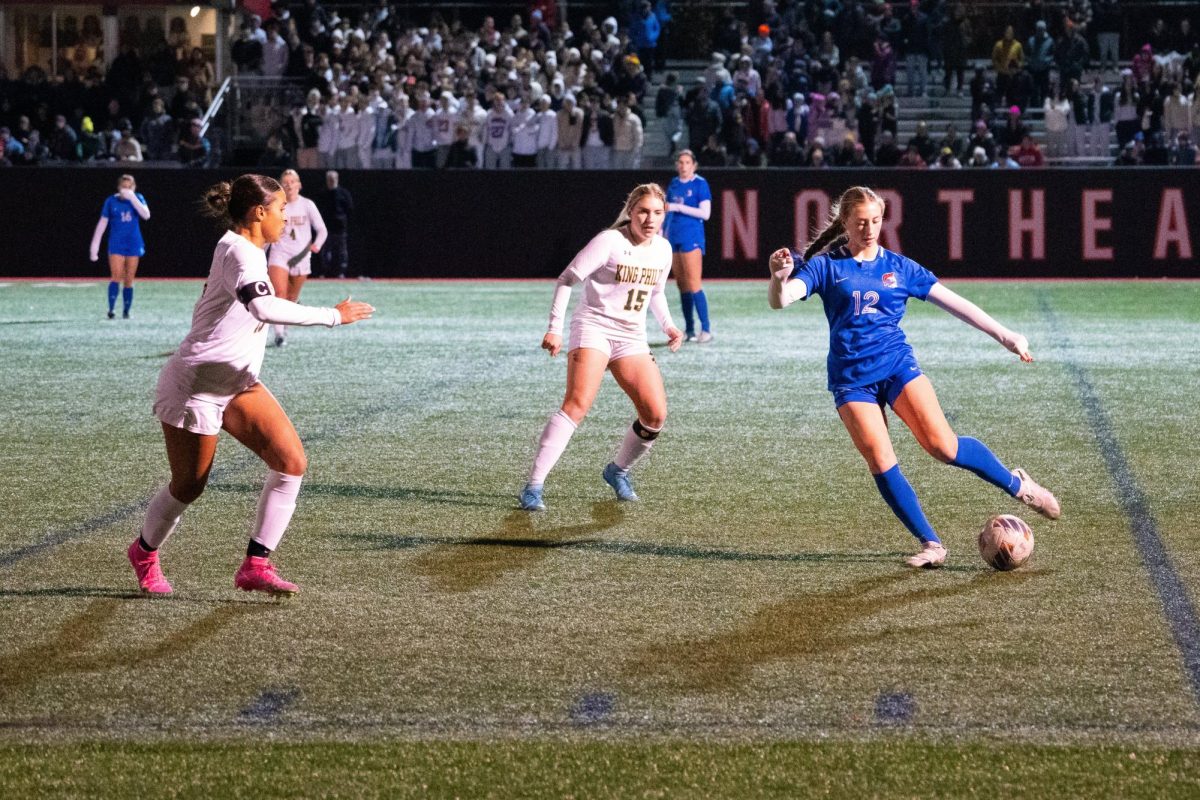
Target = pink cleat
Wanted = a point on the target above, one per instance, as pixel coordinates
(149, 573)
(257, 574)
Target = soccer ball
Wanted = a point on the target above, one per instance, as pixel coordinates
(1006, 542)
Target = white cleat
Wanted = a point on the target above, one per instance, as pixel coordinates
(705, 337)
(932, 556)
(1037, 497)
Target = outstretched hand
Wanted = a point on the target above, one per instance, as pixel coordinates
(674, 339)
(1020, 346)
(552, 343)
(781, 264)
(353, 311)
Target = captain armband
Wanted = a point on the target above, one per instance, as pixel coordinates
(250, 291)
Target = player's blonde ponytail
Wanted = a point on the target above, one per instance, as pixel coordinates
(835, 226)
(634, 197)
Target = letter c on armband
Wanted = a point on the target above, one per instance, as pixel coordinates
(250, 291)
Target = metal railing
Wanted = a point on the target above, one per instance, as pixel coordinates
(214, 107)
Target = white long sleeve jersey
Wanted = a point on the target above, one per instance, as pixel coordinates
(304, 227)
(620, 281)
(223, 352)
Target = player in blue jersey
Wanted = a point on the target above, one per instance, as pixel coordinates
(689, 204)
(864, 289)
(122, 211)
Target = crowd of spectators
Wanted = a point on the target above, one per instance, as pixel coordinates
(146, 106)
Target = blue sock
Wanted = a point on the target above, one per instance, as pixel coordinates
(701, 309)
(902, 500)
(687, 300)
(975, 456)
(114, 289)
(127, 298)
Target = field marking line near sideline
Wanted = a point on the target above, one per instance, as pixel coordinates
(1177, 603)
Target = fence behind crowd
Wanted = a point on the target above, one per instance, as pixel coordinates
(528, 224)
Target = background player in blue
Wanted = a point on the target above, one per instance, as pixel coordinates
(123, 211)
(865, 289)
(689, 204)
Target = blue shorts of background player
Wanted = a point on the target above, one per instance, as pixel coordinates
(687, 246)
(880, 392)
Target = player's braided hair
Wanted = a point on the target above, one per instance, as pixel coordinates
(231, 203)
(634, 197)
(835, 226)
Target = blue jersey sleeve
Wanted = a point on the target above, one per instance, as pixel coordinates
(918, 279)
(703, 192)
(814, 273)
(107, 211)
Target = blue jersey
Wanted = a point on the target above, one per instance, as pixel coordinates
(680, 228)
(864, 303)
(124, 231)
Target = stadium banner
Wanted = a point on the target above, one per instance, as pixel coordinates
(1043, 223)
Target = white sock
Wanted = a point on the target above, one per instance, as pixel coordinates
(281, 331)
(162, 516)
(275, 507)
(635, 445)
(558, 431)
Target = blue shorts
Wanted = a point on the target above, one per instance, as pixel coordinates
(126, 249)
(688, 246)
(881, 392)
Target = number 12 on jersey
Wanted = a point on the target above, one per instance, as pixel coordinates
(635, 300)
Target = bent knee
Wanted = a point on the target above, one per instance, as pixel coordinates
(187, 491)
(293, 462)
(653, 421)
(575, 409)
(944, 450)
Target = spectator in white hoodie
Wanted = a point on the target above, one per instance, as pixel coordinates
(474, 117)
(347, 135)
(547, 133)
(498, 135)
(524, 135)
(627, 137)
(327, 138)
(569, 142)
(404, 131)
(445, 119)
(424, 148)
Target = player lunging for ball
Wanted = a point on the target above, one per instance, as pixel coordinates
(623, 271)
(211, 383)
(865, 288)
(289, 261)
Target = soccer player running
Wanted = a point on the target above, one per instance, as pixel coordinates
(211, 383)
(623, 271)
(864, 289)
(123, 211)
(289, 261)
(689, 205)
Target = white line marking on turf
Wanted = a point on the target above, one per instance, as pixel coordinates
(62, 285)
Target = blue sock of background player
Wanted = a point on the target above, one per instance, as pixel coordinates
(114, 289)
(974, 455)
(702, 309)
(900, 497)
(126, 300)
(687, 300)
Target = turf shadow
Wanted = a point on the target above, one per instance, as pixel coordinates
(32, 321)
(515, 546)
(359, 491)
(808, 625)
(69, 650)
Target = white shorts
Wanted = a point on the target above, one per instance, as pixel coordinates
(302, 269)
(179, 409)
(593, 339)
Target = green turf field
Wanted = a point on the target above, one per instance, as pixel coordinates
(748, 629)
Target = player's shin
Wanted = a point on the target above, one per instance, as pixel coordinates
(637, 442)
(974, 456)
(162, 517)
(902, 499)
(275, 507)
(555, 436)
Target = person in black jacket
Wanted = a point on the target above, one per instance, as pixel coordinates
(336, 204)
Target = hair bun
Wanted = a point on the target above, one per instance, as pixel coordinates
(217, 197)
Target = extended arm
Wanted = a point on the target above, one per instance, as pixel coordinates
(276, 310)
(662, 313)
(703, 212)
(976, 317)
(783, 289)
(101, 226)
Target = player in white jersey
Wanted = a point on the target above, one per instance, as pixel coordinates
(289, 260)
(623, 271)
(211, 383)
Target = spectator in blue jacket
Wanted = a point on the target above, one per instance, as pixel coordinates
(644, 31)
